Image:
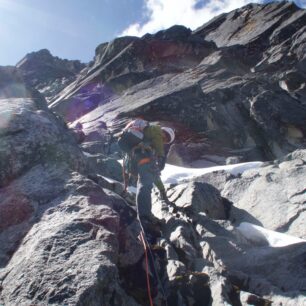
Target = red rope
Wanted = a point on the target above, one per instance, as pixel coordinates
(147, 269)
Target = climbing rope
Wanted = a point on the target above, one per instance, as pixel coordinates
(147, 268)
(147, 247)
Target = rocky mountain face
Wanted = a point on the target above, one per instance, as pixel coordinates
(237, 84)
(48, 74)
(234, 90)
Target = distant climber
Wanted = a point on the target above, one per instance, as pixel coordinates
(143, 144)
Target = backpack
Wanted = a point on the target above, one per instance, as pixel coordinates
(132, 135)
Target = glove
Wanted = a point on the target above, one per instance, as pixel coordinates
(161, 162)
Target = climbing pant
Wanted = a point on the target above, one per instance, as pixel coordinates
(146, 177)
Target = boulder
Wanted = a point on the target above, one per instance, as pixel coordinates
(32, 136)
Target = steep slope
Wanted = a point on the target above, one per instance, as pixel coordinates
(127, 61)
(245, 97)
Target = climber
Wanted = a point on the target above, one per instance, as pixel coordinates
(143, 144)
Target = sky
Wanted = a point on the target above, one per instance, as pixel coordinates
(72, 29)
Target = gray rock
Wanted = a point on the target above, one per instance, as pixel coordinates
(242, 124)
(274, 195)
(217, 179)
(246, 266)
(92, 147)
(32, 136)
(70, 255)
(249, 24)
(233, 160)
(252, 299)
(226, 93)
(115, 68)
(196, 198)
(63, 237)
(187, 154)
(175, 269)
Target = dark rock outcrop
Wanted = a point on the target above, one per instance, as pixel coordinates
(196, 198)
(104, 165)
(30, 136)
(127, 61)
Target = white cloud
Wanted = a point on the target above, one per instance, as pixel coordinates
(162, 14)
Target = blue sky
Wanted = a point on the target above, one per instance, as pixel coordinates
(73, 28)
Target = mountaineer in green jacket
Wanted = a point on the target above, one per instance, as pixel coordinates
(157, 137)
(144, 147)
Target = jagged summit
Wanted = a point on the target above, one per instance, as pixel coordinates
(47, 73)
(43, 58)
(43, 54)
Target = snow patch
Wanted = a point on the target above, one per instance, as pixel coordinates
(175, 174)
(262, 236)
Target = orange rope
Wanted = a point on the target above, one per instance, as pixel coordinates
(147, 269)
